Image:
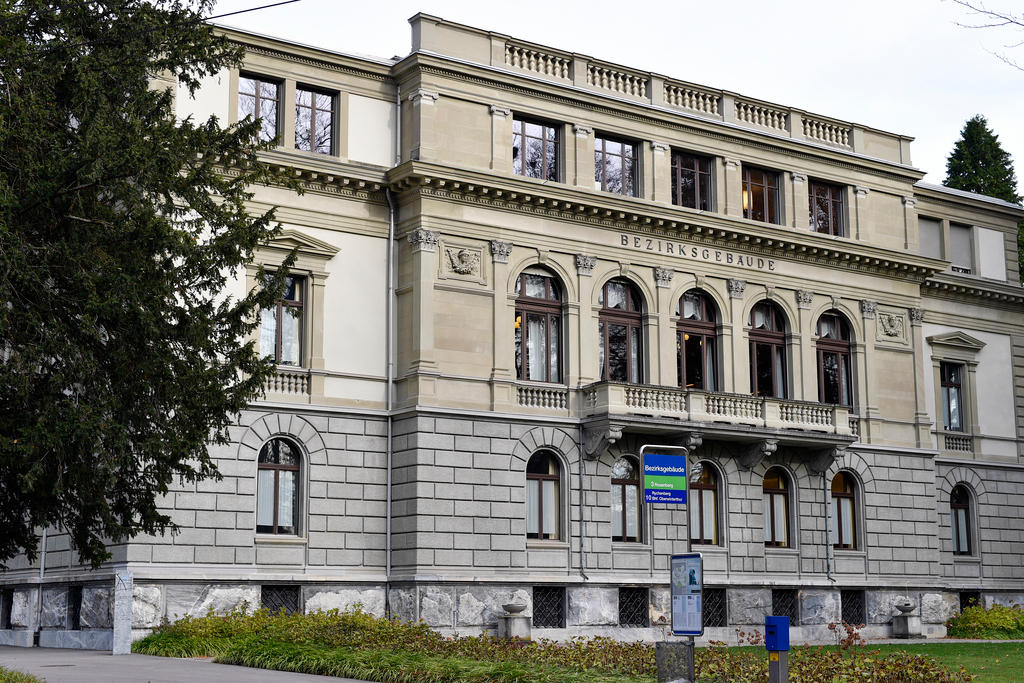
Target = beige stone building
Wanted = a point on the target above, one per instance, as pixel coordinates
(587, 258)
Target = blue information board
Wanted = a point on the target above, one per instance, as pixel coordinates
(664, 474)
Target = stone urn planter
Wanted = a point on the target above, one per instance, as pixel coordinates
(904, 624)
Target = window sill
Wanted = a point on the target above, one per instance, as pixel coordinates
(545, 544)
(773, 550)
(270, 539)
(849, 552)
(705, 547)
(967, 559)
(631, 545)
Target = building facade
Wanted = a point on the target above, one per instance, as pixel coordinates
(516, 266)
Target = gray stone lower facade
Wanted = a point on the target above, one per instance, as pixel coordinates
(460, 547)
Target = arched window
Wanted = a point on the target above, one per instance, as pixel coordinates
(960, 512)
(626, 501)
(768, 351)
(844, 516)
(277, 488)
(620, 325)
(703, 504)
(775, 488)
(834, 385)
(538, 327)
(543, 492)
(696, 349)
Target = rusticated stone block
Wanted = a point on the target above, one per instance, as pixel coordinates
(749, 606)
(343, 599)
(593, 607)
(97, 607)
(819, 607)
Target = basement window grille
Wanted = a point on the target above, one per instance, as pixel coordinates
(784, 604)
(969, 599)
(74, 608)
(280, 598)
(715, 614)
(634, 606)
(548, 607)
(852, 602)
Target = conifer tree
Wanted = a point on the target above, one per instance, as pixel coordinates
(978, 163)
(120, 357)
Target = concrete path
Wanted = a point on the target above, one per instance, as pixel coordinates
(86, 666)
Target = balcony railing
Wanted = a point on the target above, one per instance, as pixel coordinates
(288, 381)
(701, 406)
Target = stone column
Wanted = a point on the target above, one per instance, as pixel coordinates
(856, 208)
(583, 149)
(123, 586)
(870, 417)
(739, 346)
(586, 332)
(659, 187)
(504, 306)
(664, 330)
(422, 127)
(731, 192)
(501, 139)
(799, 201)
(808, 361)
(922, 423)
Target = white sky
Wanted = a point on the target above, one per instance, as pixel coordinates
(902, 66)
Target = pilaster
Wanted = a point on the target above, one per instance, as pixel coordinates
(423, 247)
(857, 207)
(808, 365)
(730, 192)
(583, 148)
(739, 343)
(423, 125)
(665, 330)
(870, 416)
(503, 315)
(922, 423)
(287, 115)
(501, 138)
(799, 198)
(659, 189)
(911, 241)
(585, 340)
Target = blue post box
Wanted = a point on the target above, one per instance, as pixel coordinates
(776, 634)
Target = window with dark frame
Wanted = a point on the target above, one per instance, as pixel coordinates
(844, 516)
(775, 489)
(543, 496)
(760, 195)
(703, 506)
(951, 378)
(258, 97)
(716, 613)
(696, 345)
(969, 599)
(620, 333)
(74, 616)
(826, 208)
(960, 518)
(314, 121)
(535, 149)
(538, 328)
(634, 606)
(834, 368)
(768, 351)
(548, 607)
(615, 168)
(691, 181)
(852, 606)
(626, 502)
(277, 488)
(6, 608)
(281, 325)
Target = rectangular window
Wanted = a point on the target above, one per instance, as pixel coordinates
(826, 209)
(6, 607)
(691, 181)
(258, 98)
(715, 608)
(74, 608)
(930, 231)
(276, 599)
(281, 326)
(952, 396)
(548, 607)
(615, 166)
(314, 121)
(961, 247)
(760, 195)
(852, 605)
(534, 149)
(784, 604)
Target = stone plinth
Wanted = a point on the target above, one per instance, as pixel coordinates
(514, 626)
(906, 626)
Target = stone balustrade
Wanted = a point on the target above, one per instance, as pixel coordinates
(542, 397)
(292, 382)
(958, 443)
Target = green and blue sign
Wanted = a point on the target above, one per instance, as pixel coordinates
(664, 474)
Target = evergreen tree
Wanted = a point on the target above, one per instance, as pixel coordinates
(120, 358)
(978, 163)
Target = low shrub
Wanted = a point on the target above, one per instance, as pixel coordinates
(998, 622)
(10, 676)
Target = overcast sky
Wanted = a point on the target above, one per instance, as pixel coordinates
(904, 66)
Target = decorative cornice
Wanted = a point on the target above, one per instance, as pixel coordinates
(308, 61)
(736, 287)
(868, 308)
(639, 216)
(425, 240)
(500, 251)
(1001, 295)
(663, 277)
(585, 264)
